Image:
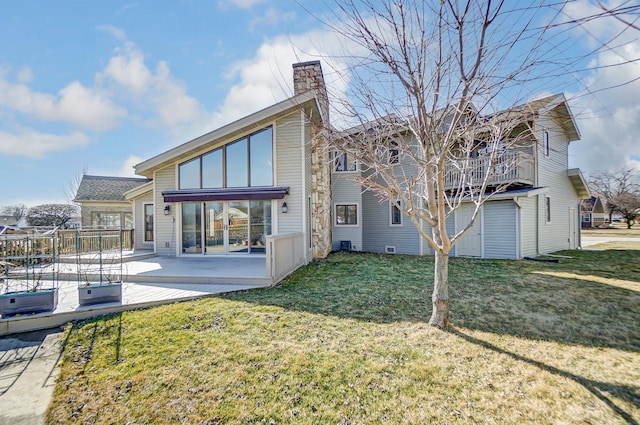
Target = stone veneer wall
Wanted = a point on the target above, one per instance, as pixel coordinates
(308, 76)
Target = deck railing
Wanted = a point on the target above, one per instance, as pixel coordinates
(93, 240)
(510, 167)
(285, 253)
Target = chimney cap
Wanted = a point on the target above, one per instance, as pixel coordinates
(309, 63)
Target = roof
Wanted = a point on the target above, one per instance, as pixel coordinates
(106, 188)
(255, 120)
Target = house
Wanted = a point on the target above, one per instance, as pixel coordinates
(538, 213)
(102, 201)
(262, 186)
(593, 213)
(255, 187)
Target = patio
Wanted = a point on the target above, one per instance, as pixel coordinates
(148, 281)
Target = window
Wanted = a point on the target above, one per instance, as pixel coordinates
(395, 215)
(148, 222)
(346, 215)
(546, 143)
(244, 162)
(548, 209)
(105, 219)
(393, 153)
(343, 162)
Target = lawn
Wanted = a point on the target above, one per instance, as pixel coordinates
(346, 341)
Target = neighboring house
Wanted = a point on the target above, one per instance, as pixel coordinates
(594, 213)
(10, 221)
(538, 214)
(102, 201)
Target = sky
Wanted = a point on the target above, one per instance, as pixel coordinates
(98, 87)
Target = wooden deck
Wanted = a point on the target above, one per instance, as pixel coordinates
(149, 282)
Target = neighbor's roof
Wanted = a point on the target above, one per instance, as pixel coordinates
(106, 188)
(252, 121)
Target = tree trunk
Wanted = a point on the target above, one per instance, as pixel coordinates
(440, 298)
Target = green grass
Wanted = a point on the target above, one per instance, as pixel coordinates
(346, 341)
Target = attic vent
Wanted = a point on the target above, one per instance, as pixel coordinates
(389, 249)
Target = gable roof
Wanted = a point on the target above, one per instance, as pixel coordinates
(105, 188)
(307, 101)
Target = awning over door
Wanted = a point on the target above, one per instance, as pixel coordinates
(229, 194)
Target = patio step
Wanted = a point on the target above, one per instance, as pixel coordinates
(155, 278)
(72, 259)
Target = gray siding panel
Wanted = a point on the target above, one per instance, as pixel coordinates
(500, 230)
(138, 213)
(165, 225)
(377, 233)
(289, 172)
(346, 191)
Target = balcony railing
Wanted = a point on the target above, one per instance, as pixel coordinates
(510, 168)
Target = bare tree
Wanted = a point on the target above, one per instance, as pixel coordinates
(17, 211)
(627, 204)
(618, 188)
(72, 187)
(51, 214)
(427, 78)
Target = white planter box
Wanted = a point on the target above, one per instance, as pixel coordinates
(28, 302)
(96, 294)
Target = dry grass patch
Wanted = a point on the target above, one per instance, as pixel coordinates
(346, 341)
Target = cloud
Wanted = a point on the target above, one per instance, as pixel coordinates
(116, 32)
(607, 108)
(33, 144)
(126, 170)
(157, 92)
(25, 75)
(243, 4)
(272, 17)
(75, 103)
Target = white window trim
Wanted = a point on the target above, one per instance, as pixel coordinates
(547, 210)
(391, 223)
(335, 214)
(144, 223)
(333, 164)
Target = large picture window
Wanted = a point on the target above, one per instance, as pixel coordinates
(346, 215)
(246, 162)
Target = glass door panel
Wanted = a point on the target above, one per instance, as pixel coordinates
(260, 226)
(191, 228)
(238, 219)
(214, 228)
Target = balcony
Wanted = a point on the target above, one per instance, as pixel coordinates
(512, 168)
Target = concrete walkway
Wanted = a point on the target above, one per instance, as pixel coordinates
(28, 370)
(595, 240)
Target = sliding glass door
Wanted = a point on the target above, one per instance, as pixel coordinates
(226, 227)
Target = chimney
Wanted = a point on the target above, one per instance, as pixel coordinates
(308, 76)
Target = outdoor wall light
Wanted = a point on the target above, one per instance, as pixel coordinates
(167, 210)
(284, 207)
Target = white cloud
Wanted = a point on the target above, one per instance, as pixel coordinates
(75, 103)
(243, 4)
(33, 144)
(114, 31)
(607, 108)
(158, 93)
(126, 170)
(272, 17)
(25, 75)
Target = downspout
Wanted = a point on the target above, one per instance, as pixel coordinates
(535, 184)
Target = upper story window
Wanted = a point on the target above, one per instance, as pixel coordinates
(546, 143)
(245, 162)
(394, 153)
(344, 162)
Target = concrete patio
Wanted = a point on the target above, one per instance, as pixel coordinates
(148, 281)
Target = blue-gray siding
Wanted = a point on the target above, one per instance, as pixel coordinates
(500, 229)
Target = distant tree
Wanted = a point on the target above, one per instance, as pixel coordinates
(51, 214)
(627, 204)
(618, 187)
(17, 211)
(72, 186)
